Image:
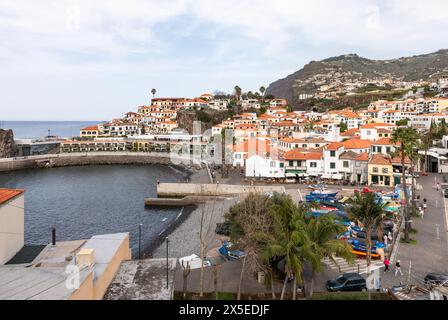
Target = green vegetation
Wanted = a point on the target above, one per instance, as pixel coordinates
(366, 209)
(343, 126)
(408, 138)
(410, 241)
(273, 229)
(373, 87)
(402, 123)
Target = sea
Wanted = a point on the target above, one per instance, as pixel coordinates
(81, 202)
(40, 129)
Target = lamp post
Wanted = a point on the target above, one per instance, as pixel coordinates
(140, 241)
(167, 270)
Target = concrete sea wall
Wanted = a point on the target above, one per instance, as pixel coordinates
(82, 159)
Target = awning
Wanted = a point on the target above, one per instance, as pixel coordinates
(336, 176)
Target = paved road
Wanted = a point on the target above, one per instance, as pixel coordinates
(430, 254)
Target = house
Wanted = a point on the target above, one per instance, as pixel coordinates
(380, 171)
(300, 163)
(360, 168)
(89, 132)
(370, 131)
(247, 148)
(331, 154)
(265, 165)
(357, 145)
(347, 166)
(383, 145)
(12, 219)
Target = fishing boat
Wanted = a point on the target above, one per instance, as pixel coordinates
(316, 187)
(324, 193)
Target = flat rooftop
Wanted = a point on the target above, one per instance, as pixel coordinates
(142, 280)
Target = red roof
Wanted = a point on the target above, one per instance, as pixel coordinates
(298, 154)
(8, 194)
(334, 146)
(357, 144)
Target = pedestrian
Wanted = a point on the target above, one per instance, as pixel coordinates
(158, 181)
(398, 268)
(386, 264)
(421, 211)
(425, 205)
(385, 239)
(438, 186)
(390, 237)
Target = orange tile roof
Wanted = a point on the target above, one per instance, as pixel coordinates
(380, 160)
(334, 146)
(350, 132)
(383, 142)
(357, 144)
(298, 154)
(363, 157)
(8, 194)
(91, 128)
(376, 125)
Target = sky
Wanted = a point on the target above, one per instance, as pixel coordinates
(96, 60)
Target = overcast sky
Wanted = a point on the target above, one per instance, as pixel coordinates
(95, 60)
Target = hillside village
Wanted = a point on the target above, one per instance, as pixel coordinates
(272, 142)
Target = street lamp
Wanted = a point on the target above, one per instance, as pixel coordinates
(140, 241)
(167, 271)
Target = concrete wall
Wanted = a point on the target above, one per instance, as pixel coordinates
(189, 189)
(97, 158)
(11, 228)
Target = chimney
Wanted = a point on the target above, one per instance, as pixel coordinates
(85, 258)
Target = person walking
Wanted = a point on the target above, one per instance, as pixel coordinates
(425, 205)
(398, 268)
(386, 264)
(438, 186)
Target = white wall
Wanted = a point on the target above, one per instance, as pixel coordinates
(257, 166)
(11, 228)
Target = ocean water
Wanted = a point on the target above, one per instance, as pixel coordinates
(39, 129)
(84, 201)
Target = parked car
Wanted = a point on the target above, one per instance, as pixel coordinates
(227, 253)
(445, 193)
(347, 282)
(436, 279)
(223, 229)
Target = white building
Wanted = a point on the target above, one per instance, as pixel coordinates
(12, 220)
(264, 166)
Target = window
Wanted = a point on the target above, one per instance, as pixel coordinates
(375, 169)
(291, 163)
(346, 164)
(332, 153)
(369, 132)
(379, 149)
(385, 170)
(317, 145)
(313, 164)
(272, 164)
(387, 149)
(238, 156)
(282, 165)
(332, 165)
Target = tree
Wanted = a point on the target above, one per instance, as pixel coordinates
(402, 122)
(343, 126)
(408, 140)
(153, 91)
(185, 273)
(262, 90)
(322, 232)
(249, 221)
(289, 240)
(366, 209)
(237, 93)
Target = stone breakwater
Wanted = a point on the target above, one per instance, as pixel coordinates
(83, 159)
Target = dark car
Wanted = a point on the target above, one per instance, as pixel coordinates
(436, 279)
(347, 282)
(445, 193)
(223, 229)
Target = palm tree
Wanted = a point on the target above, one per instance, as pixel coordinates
(262, 90)
(153, 91)
(322, 232)
(365, 208)
(288, 241)
(408, 140)
(237, 93)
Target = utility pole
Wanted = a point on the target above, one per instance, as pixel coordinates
(167, 268)
(140, 241)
